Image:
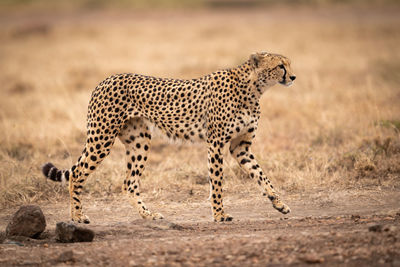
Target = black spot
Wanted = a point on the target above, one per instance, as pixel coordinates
(59, 173)
(244, 161)
(245, 143)
(53, 174)
(66, 174)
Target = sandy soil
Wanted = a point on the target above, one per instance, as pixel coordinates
(354, 228)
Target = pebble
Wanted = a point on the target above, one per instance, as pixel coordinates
(312, 258)
(66, 256)
(375, 228)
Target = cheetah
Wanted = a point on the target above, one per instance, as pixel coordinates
(220, 109)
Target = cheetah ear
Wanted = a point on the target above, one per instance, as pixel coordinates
(255, 59)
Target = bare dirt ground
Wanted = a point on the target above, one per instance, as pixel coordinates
(352, 228)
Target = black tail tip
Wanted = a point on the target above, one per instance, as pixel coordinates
(46, 169)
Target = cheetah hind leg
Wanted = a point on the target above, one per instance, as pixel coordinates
(135, 135)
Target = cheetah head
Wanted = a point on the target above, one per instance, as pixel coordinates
(270, 69)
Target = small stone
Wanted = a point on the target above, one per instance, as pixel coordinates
(13, 242)
(28, 221)
(165, 225)
(389, 228)
(375, 228)
(311, 258)
(66, 256)
(356, 217)
(69, 233)
(175, 226)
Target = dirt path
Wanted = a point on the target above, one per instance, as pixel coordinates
(326, 228)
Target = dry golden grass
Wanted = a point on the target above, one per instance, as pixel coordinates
(337, 127)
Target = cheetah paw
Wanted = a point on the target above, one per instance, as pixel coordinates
(282, 207)
(81, 219)
(151, 216)
(222, 217)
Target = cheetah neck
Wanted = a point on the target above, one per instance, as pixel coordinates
(248, 82)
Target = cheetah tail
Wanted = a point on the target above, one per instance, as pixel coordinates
(51, 172)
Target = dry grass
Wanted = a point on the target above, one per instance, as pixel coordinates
(337, 127)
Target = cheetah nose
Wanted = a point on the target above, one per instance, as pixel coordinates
(292, 78)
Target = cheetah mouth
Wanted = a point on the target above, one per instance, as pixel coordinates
(287, 84)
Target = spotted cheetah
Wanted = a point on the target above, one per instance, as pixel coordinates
(221, 109)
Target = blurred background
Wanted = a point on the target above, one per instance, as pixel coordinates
(336, 128)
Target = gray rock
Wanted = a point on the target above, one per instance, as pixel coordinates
(13, 242)
(66, 256)
(69, 233)
(375, 228)
(28, 221)
(165, 225)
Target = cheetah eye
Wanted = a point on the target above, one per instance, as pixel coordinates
(281, 66)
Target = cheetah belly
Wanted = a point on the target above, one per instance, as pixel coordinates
(194, 132)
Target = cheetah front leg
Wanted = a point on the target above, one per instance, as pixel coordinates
(215, 171)
(240, 150)
(135, 135)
